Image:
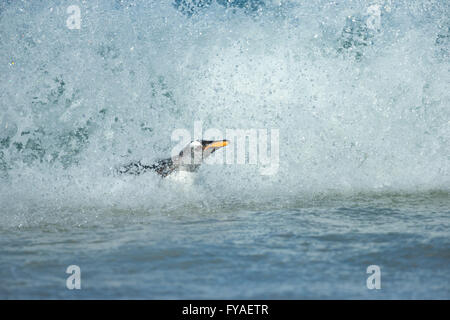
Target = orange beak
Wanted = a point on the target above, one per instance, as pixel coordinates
(217, 144)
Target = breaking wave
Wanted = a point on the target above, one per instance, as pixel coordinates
(359, 91)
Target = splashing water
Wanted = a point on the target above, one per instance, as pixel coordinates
(359, 91)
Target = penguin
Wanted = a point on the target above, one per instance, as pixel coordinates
(187, 161)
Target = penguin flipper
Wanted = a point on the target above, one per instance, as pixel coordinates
(162, 167)
(134, 168)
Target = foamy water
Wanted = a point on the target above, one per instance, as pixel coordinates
(359, 91)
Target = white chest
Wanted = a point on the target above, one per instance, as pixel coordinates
(182, 177)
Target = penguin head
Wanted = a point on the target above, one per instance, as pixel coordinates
(198, 150)
(210, 146)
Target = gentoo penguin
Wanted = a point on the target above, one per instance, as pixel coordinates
(188, 160)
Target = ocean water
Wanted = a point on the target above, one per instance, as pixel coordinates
(358, 90)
